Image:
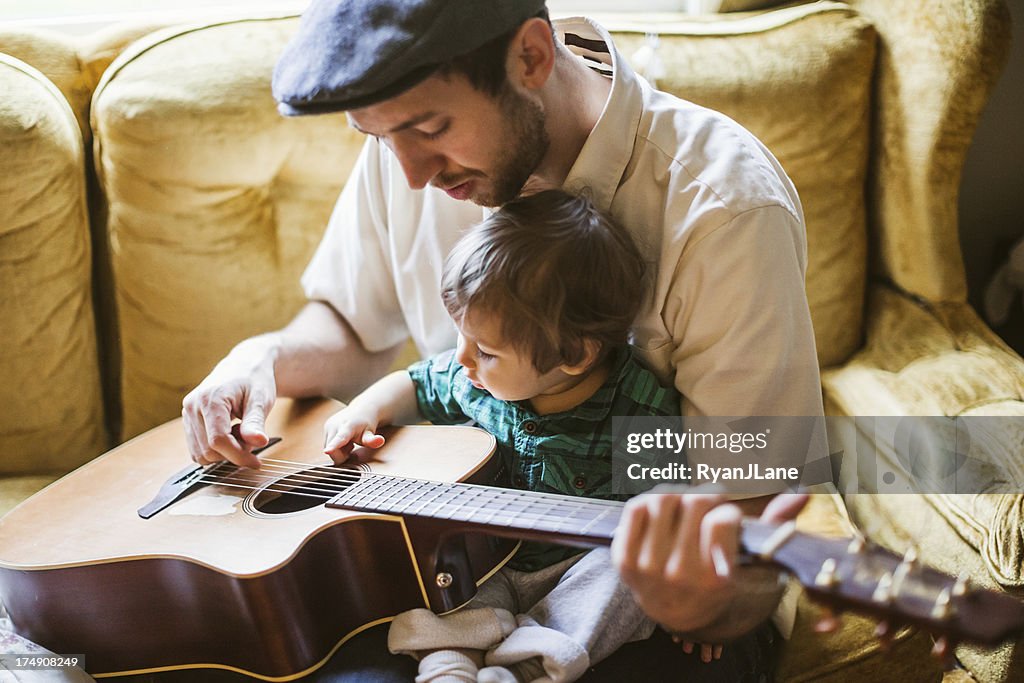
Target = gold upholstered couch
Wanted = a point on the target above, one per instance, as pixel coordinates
(156, 209)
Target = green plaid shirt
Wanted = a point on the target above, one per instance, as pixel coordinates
(568, 452)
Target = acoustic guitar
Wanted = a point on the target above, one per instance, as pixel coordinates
(145, 566)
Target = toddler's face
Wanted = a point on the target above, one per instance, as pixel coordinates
(498, 367)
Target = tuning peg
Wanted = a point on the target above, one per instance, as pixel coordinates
(885, 632)
(943, 651)
(857, 544)
(883, 589)
(942, 607)
(963, 583)
(827, 577)
(829, 621)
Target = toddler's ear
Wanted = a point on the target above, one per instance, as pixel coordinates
(591, 352)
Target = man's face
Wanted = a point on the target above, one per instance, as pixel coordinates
(447, 134)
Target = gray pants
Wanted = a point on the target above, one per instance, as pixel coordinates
(549, 624)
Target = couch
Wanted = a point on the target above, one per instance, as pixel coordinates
(157, 210)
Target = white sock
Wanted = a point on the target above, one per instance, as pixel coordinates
(496, 674)
(447, 666)
(562, 658)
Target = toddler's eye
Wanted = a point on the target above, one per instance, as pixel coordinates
(483, 355)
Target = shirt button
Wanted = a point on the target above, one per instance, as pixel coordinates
(530, 426)
(579, 482)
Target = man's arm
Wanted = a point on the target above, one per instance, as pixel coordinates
(317, 354)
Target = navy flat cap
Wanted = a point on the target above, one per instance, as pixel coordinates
(349, 54)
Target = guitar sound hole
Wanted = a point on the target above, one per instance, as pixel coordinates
(304, 490)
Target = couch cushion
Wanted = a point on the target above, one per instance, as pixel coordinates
(52, 417)
(13, 490)
(216, 202)
(800, 79)
(55, 55)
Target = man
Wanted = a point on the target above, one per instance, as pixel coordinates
(470, 104)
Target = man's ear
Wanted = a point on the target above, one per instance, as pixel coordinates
(591, 352)
(531, 54)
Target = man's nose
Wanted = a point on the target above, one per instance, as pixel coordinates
(419, 164)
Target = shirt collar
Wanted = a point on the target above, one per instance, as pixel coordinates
(606, 153)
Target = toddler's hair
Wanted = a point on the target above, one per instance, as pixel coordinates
(555, 271)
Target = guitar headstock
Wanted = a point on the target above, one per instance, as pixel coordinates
(857, 576)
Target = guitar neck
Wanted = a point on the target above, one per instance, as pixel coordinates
(585, 522)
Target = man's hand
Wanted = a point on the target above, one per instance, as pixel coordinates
(240, 386)
(348, 428)
(677, 552)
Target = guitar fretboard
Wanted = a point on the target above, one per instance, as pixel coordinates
(584, 520)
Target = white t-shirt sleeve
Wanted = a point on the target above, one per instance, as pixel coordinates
(350, 269)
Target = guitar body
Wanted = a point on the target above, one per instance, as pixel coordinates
(231, 577)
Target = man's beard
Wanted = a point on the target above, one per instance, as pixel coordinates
(526, 145)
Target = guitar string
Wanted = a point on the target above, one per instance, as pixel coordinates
(391, 496)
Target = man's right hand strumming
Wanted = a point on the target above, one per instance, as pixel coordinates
(241, 386)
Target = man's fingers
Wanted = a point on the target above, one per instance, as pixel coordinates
(663, 511)
(719, 540)
(252, 429)
(230, 447)
(784, 507)
(210, 422)
(706, 653)
(629, 536)
(717, 653)
(196, 450)
(685, 560)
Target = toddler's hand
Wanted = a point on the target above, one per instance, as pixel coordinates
(347, 429)
(707, 651)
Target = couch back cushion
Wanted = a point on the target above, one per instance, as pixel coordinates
(55, 55)
(800, 79)
(52, 418)
(215, 202)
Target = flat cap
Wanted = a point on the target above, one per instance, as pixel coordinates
(349, 54)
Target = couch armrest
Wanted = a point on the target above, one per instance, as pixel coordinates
(923, 358)
(940, 359)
